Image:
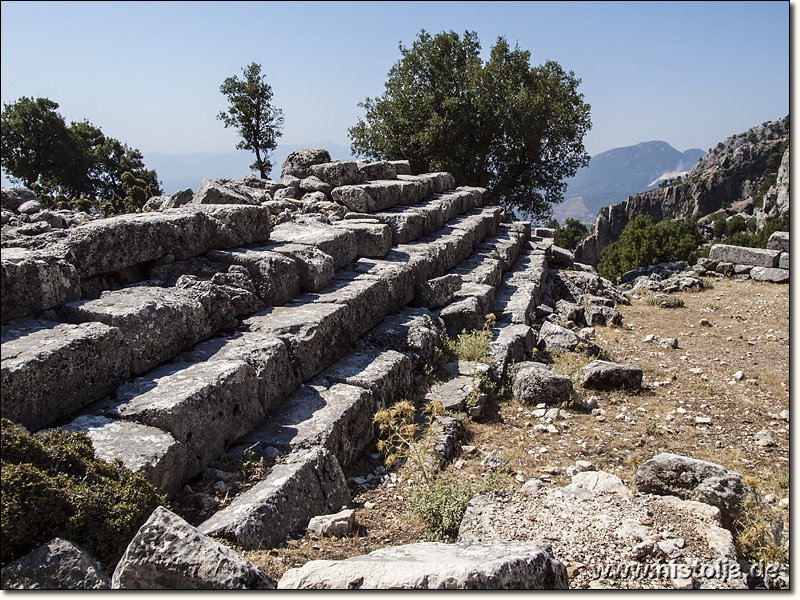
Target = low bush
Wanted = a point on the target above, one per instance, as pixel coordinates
(53, 486)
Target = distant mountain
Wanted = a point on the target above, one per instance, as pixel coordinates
(614, 175)
(180, 171)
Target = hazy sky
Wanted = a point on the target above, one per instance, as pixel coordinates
(148, 73)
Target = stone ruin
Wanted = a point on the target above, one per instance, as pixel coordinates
(273, 318)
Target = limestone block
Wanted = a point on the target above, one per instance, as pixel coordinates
(505, 246)
(399, 277)
(602, 315)
(371, 171)
(436, 292)
(434, 565)
(157, 323)
(268, 355)
(57, 565)
(337, 172)
(234, 225)
(425, 184)
(50, 370)
(205, 406)
(414, 331)
(779, 241)
(756, 257)
(316, 334)
(464, 315)
(141, 448)
(533, 383)
(299, 162)
(338, 418)
(462, 388)
(169, 554)
(275, 276)
(555, 338)
(356, 198)
(337, 525)
(307, 484)
(510, 344)
(767, 274)
(405, 225)
(33, 281)
(217, 191)
(783, 261)
(481, 270)
(337, 242)
(387, 374)
(373, 240)
(315, 268)
(402, 167)
(484, 294)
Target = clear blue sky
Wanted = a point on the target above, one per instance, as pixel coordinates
(148, 73)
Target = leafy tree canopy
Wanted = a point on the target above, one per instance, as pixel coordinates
(79, 160)
(570, 235)
(251, 112)
(513, 128)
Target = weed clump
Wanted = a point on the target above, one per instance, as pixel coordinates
(472, 345)
(53, 486)
(664, 302)
(754, 532)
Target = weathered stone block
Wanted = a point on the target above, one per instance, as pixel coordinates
(604, 375)
(50, 370)
(315, 268)
(510, 344)
(783, 261)
(57, 565)
(767, 274)
(433, 565)
(141, 448)
(205, 406)
(555, 338)
(157, 323)
(373, 240)
(400, 278)
(274, 275)
(33, 281)
(216, 191)
(533, 382)
(464, 315)
(738, 255)
(337, 172)
(266, 514)
(371, 171)
(335, 241)
(414, 331)
(338, 418)
(779, 241)
(169, 554)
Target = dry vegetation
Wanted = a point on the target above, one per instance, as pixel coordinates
(691, 404)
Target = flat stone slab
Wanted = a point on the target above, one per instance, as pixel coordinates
(141, 448)
(50, 370)
(157, 322)
(307, 484)
(373, 240)
(167, 553)
(338, 418)
(206, 406)
(400, 278)
(463, 390)
(433, 565)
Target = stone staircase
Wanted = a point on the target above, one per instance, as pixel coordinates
(171, 337)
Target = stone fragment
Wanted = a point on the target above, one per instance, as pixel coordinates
(219, 191)
(275, 276)
(604, 375)
(169, 554)
(602, 315)
(768, 274)
(335, 525)
(764, 439)
(373, 240)
(433, 565)
(57, 565)
(555, 338)
(779, 240)
(299, 162)
(436, 292)
(337, 172)
(510, 344)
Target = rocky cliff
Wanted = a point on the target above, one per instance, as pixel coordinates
(730, 172)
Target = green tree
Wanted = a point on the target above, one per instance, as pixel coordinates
(252, 114)
(74, 164)
(570, 235)
(505, 125)
(36, 143)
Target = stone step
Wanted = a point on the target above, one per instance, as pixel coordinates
(50, 369)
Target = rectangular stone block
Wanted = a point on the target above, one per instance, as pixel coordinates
(365, 301)
(268, 355)
(33, 281)
(275, 276)
(265, 515)
(783, 261)
(387, 374)
(141, 448)
(400, 279)
(335, 241)
(315, 268)
(235, 224)
(406, 225)
(50, 370)
(205, 406)
(337, 418)
(481, 269)
(157, 323)
(316, 334)
(779, 241)
(373, 240)
(510, 344)
(737, 255)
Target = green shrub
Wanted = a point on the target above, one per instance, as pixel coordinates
(54, 486)
(443, 502)
(570, 235)
(644, 243)
(472, 345)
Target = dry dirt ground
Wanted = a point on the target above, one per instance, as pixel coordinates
(694, 402)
